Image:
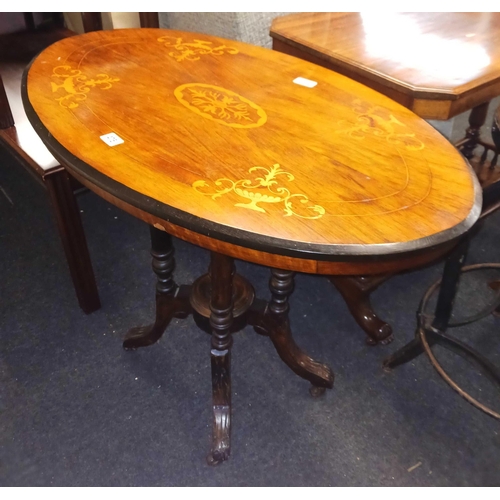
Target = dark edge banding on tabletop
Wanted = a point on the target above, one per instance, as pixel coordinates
(253, 241)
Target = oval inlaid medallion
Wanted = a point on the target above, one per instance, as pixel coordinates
(220, 105)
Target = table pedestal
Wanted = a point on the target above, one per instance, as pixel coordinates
(222, 303)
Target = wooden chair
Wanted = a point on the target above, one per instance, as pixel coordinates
(18, 137)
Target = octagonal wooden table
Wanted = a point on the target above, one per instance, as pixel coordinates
(253, 155)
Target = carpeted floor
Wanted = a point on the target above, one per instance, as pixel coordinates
(77, 410)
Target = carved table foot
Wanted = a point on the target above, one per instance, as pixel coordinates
(167, 307)
(278, 330)
(274, 323)
(356, 292)
(221, 387)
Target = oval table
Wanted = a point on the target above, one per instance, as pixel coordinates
(253, 155)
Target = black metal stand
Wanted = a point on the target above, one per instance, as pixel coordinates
(431, 329)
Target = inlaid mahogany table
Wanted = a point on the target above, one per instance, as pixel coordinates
(253, 155)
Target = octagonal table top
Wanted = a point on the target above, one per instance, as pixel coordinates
(438, 64)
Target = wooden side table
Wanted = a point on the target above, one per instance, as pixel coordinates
(253, 155)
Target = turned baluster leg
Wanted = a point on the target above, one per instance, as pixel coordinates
(477, 118)
(276, 324)
(167, 304)
(163, 261)
(221, 318)
(281, 286)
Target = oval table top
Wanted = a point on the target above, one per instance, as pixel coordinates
(219, 137)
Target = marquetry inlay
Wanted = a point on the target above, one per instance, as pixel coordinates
(76, 85)
(229, 146)
(264, 189)
(378, 122)
(191, 51)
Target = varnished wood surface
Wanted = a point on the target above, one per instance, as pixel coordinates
(349, 266)
(437, 64)
(219, 141)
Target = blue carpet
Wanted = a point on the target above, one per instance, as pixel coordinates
(77, 410)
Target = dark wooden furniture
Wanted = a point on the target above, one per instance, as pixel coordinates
(436, 64)
(175, 128)
(19, 138)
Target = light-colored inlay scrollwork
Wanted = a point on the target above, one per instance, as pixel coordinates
(378, 122)
(76, 85)
(191, 51)
(261, 190)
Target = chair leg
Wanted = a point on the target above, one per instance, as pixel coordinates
(73, 239)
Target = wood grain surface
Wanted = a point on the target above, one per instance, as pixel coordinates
(438, 64)
(219, 140)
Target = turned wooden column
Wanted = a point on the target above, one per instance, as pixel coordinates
(163, 261)
(477, 118)
(281, 285)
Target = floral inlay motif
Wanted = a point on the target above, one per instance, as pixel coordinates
(220, 105)
(191, 51)
(76, 85)
(378, 122)
(264, 189)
